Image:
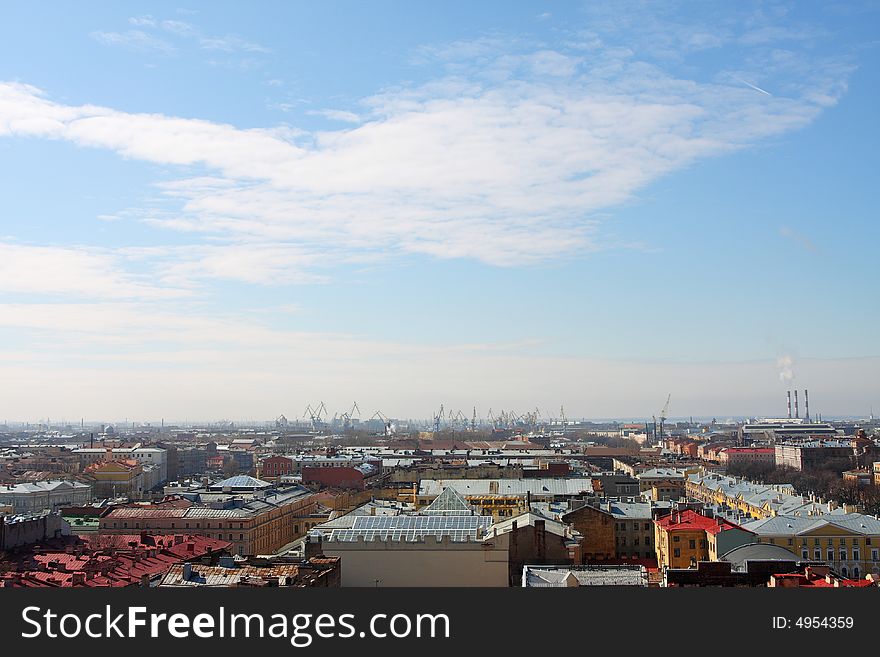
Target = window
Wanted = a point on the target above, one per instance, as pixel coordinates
(857, 554)
(856, 573)
(843, 554)
(791, 541)
(692, 544)
(817, 554)
(830, 554)
(805, 554)
(676, 538)
(676, 552)
(875, 554)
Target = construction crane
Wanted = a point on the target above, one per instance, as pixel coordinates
(664, 415)
(438, 419)
(314, 414)
(474, 420)
(347, 416)
(385, 421)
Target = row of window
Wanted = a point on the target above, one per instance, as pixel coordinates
(856, 554)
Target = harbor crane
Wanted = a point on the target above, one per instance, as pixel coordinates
(664, 414)
(385, 421)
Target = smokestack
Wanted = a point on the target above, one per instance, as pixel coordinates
(807, 404)
(796, 411)
(788, 394)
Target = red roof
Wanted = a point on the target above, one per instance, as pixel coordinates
(113, 561)
(690, 520)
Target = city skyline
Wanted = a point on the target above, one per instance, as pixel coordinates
(211, 212)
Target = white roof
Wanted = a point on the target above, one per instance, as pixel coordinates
(509, 487)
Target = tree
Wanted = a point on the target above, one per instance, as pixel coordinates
(230, 467)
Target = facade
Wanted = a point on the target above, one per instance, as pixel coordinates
(261, 525)
(849, 543)
(813, 454)
(44, 495)
(785, 430)
(536, 539)
(354, 477)
(21, 530)
(757, 501)
(684, 538)
(117, 478)
(143, 455)
(734, 457)
(505, 498)
(274, 467)
(648, 478)
(597, 527)
(633, 529)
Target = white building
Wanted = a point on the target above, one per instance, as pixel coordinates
(42, 495)
(144, 455)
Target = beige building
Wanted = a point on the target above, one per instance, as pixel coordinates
(430, 561)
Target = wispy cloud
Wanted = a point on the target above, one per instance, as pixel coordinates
(153, 34)
(136, 40)
(74, 272)
(799, 239)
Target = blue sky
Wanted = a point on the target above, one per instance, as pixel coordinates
(216, 210)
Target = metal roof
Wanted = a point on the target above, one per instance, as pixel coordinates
(449, 502)
(413, 528)
(508, 487)
(568, 576)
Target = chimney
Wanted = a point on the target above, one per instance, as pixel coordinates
(78, 579)
(788, 394)
(796, 411)
(806, 404)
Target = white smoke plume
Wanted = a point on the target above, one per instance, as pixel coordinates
(785, 364)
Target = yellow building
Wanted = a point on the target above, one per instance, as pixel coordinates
(116, 478)
(684, 538)
(757, 501)
(848, 542)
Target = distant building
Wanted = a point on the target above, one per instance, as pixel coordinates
(44, 495)
(786, 430)
(275, 467)
(811, 455)
(116, 478)
(144, 455)
(260, 523)
(355, 477)
(737, 457)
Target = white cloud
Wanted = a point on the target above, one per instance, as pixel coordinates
(73, 272)
(134, 40)
(509, 165)
(338, 115)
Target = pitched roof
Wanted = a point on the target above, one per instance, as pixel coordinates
(449, 502)
(691, 520)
